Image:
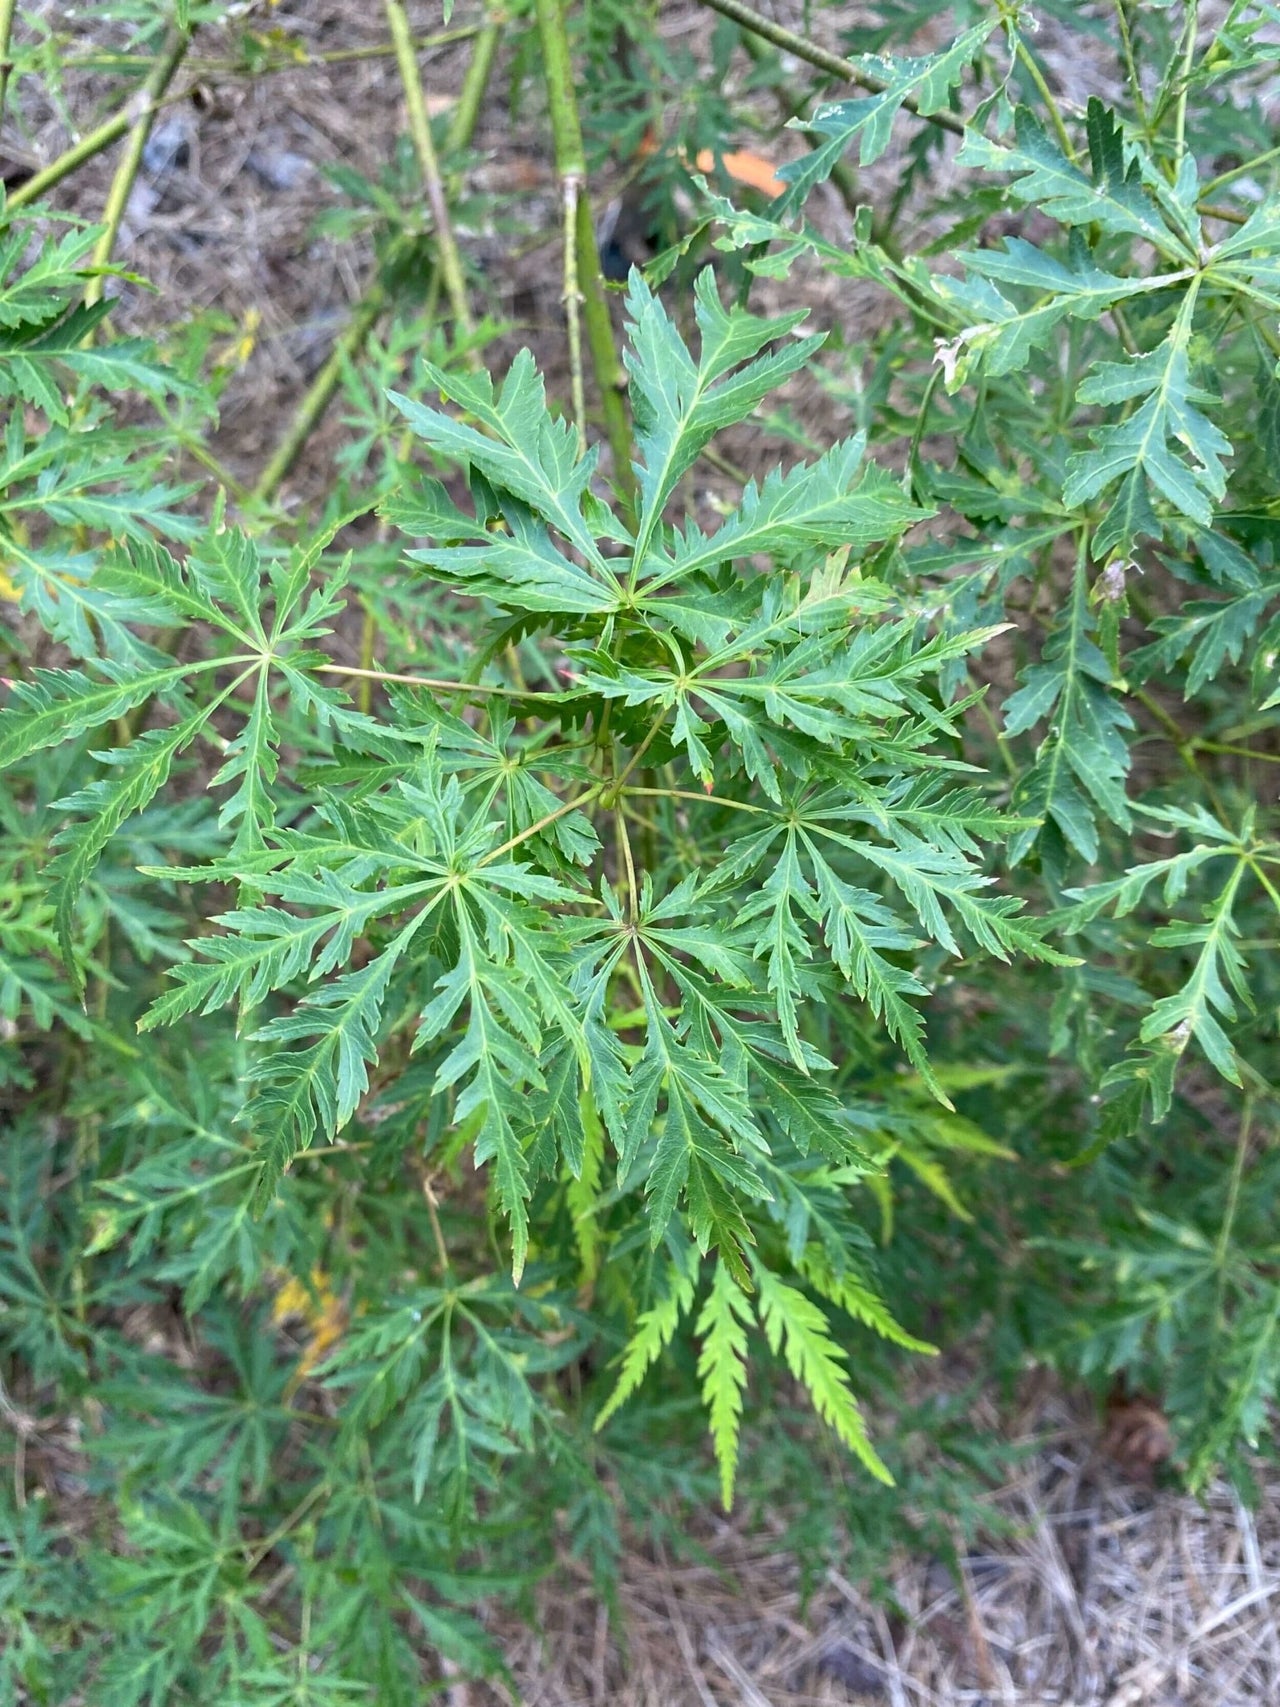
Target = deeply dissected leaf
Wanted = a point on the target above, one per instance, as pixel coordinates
(1115, 194)
(1139, 451)
(1083, 760)
(868, 119)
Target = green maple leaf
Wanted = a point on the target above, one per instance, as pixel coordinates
(680, 403)
(1122, 193)
(1166, 444)
(1000, 335)
(1083, 761)
(868, 119)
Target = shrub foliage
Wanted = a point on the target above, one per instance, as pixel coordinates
(691, 961)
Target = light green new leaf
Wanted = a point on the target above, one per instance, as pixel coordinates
(1190, 1011)
(794, 1323)
(722, 1368)
(859, 1299)
(654, 1330)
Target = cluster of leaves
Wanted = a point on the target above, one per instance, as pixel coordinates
(513, 1059)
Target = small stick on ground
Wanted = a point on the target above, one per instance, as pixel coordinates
(88, 147)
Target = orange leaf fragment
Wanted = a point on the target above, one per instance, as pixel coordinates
(744, 168)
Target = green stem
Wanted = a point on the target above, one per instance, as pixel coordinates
(1184, 77)
(542, 824)
(299, 57)
(1033, 71)
(1131, 65)
(1183, 746)
(474, 83)
(571, 188)
(200, 453)
(571, 165)
(109, 131)
(1222, 1245)
(126, 173)
(917, 436)
(370, 306)
(1225, 178)
(368, 634)
(448, 259)
(624, 847)
(709, 454)
(1239, 752)
(702, 799)
(619, 782)
(817, 56)
(7, 8)
(1228, 215)
(315, 399)
(472, 690)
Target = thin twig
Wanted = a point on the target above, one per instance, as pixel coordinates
(371, 305)
(1184, 77)
(566, 132)
(7, 9)
(437, 1232)
(315, 399)
(624, 844)
(817, 56)
(126, 173)
(475, 82)
(619, 782)
(1032, 67)
(478, 689)
(571, 189)
(1131, 65)
(1225, 178)
(300, 57)
(448, 259)
(701, 799)
(543, 823)
(109, 131)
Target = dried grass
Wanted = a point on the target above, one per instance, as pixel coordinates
(1096, 1591)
